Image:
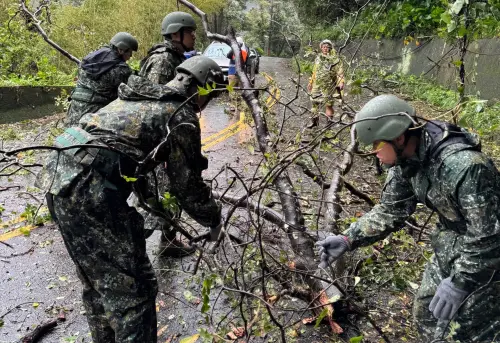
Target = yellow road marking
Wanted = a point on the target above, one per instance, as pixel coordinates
(226, 133)
(16, 232)
(275, 92)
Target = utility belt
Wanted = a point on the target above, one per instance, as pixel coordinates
(103, 160)
(88, 95)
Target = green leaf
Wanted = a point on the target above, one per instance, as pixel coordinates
(190, 339)
(129, 179)
(202, 91)
(457, 6)
(205, 335)
(1, 323)
(205, 292)
(462, 32)
(25, 230)
(188, 295)
(35, 305)
(63, 278)
(457, 63)
(381, 28)
(208, 87)
(321, 316)
(446, 18)
(230, 88)
(358, 339)
(214, 85)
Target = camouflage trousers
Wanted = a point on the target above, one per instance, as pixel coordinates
(323, 97)
(105, 239)
(152, 222)
(478, 317)
(77, 109)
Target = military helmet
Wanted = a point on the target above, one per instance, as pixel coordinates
(175, 21)
(203, 69)
(326, 41)
(124, 41)
(385, 128)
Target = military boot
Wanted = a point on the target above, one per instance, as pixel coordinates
(314, 121)
(170, 246)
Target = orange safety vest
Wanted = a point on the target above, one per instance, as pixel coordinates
(244, 55)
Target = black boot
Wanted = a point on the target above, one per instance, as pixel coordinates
(170, 246)
(313, 122)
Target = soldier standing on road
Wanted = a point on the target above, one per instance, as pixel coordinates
(179, 31)
(442, 166)
(326, 83)
(88, 191)
(99, 76)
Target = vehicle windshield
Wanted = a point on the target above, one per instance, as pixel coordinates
(217, 50)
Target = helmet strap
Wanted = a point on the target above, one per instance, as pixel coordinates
(182, 40)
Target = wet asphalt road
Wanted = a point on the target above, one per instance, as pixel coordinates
(38, 280)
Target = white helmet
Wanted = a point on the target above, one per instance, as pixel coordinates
(240, 41)
(326, 41)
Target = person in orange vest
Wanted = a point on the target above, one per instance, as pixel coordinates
(232, 77)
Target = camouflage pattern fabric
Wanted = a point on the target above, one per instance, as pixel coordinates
(326, 78)
(91, 94)
(159, 67)
(462, 185)
(160, 63)
(105, 239)
(103, 235)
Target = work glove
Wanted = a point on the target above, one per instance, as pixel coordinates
(447, 300)
(331, 248)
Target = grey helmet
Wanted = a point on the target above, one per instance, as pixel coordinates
(383, 127)
(124, 41)
(326, 41)
(203, 69)
(175, 21)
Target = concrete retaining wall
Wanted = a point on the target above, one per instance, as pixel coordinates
(434, 59)
(22, 103)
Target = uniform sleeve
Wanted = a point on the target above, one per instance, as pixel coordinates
(397, 203)
(477, 195)
(158, 69)
(184, 167)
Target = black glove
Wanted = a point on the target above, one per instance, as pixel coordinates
(331, 248)
(447, 300)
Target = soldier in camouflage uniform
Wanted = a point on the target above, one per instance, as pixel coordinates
(326, 82)
(88, 190)
(178, 29)
(99, 76)
(442, 166)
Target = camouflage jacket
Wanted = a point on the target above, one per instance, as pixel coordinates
(327, 72)
(463, 186)
(100, 87)
(144, 116)
(160, 63)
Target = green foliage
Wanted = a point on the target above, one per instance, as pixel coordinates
(170, 203)
(205, 293)
(411, 18)
(399, 265)
(30, 215)
(22, 63)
